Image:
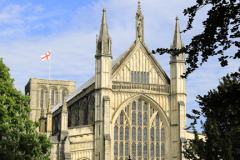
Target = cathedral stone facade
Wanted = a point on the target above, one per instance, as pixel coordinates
(129, 107)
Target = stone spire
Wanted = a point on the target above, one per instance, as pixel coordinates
(177, 42)
(103, 41)
(139, 24)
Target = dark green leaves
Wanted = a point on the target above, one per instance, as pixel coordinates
(18, 138)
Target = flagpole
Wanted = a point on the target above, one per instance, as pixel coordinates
(49, 64)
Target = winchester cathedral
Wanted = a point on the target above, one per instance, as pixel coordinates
(130, 107)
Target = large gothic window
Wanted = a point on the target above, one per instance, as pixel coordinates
(139, 132)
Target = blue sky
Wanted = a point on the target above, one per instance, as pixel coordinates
(29, 28)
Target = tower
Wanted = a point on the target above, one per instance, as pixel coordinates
(103, 84)
(178, 96)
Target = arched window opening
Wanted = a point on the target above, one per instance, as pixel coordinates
(131, 131)
(41, 99)
(52, 98)
(63, 94)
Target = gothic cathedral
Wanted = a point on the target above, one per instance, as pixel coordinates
(129, 108)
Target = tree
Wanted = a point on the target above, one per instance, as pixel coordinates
(221, 31)
(221, 108)
(18, 137)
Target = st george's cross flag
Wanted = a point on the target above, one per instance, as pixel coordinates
(46, 56)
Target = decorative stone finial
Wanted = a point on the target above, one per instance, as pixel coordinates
(177, 18)
(139, 8)
(104, 9)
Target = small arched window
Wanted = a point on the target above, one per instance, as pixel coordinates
(63, 93)
(41, 99)
(52, 97)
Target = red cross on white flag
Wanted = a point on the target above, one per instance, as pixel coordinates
(46, 56)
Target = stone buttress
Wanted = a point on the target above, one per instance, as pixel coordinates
(178, 97)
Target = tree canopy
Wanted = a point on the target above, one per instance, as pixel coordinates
(221, 32)
(221, 108)
(18, 137)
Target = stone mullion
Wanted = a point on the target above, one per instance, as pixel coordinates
(130, 130)
(148, 132)
(118, 141)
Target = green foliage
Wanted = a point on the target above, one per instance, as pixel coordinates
(18, 138)
(221, 31)
(221, 108)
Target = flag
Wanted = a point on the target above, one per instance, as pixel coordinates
(46, 56)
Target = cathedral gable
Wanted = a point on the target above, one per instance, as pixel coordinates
(141, 67)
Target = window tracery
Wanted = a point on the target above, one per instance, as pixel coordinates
(131, 137)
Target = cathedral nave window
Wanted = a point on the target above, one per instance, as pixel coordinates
(63, 94)
(41, 99)
(52, 97)
(138, 144)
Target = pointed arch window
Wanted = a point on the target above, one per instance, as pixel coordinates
(133, 135)
(63, 94)
(52, 97)
(41, 99)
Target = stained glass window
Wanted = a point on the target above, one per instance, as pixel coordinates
(121, 118)
(139, 134)
(121, 133)
(139, 145)
(63, 94)
(133, 134)
(145, 150)
(145, 107)
(126, 149)
(157, 150)
(152, 134)
(145, 134)
(152, 150)
(115, 133)
(157, 120)
(145, 119)
(134, 105)
(157, 135)
(121, 148)
(162, 135)
(162, 150)
(132, 77)
(133, 149)
(41, 99)
(133, 118)
(52, 97)
(137, 77)
(139, 118)
(139, 105)
(139, 149)
(115, 149)
(126, 133)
